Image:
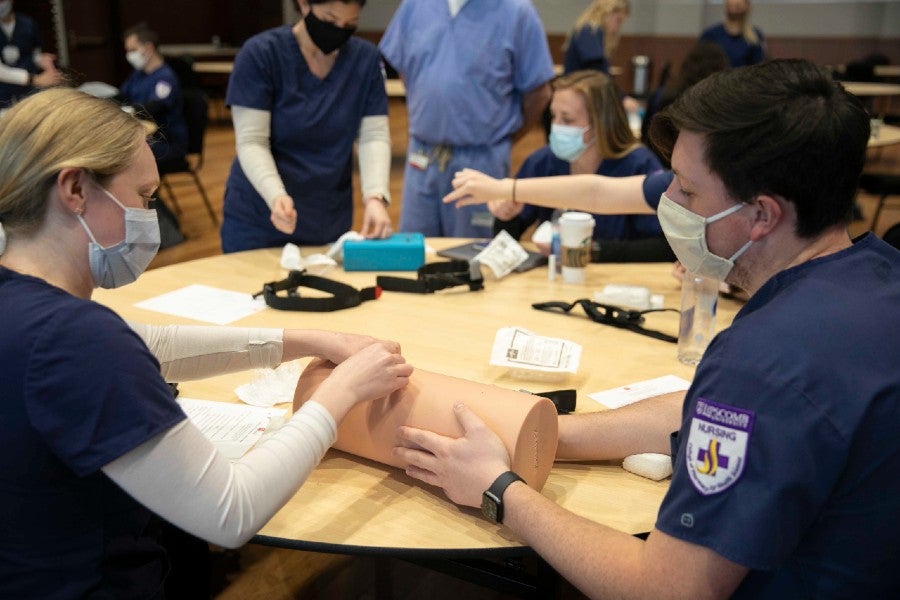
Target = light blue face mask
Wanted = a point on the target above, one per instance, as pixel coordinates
(122, 263)
(567, 141)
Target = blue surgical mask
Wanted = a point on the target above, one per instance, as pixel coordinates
(122, 263)
(567, 141)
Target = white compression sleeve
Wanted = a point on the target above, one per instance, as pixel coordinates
(187, 352)
(13, 75)
(252, 131)
(374, 151)
(181, 477)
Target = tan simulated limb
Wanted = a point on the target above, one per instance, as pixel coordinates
(595, 194)
(526, 424)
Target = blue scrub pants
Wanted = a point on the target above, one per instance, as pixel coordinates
(423, 210)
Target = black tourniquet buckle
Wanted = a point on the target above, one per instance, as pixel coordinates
(436, 276)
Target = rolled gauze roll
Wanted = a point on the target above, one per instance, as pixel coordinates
(526, 424)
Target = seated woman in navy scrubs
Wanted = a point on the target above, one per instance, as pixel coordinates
(590, 135)
(93, 441)
(300, 95)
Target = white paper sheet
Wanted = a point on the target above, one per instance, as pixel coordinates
(631, 393)
(518, 348)
(232, 428)
(205, 303)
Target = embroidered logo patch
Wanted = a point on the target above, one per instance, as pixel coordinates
(717, 445)
(163, 89)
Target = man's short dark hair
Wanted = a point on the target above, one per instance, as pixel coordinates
(783, 127)
(143, 33)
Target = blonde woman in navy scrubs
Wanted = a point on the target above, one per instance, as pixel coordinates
(300, 96)
(95, 448)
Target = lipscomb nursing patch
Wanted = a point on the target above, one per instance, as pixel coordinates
(717, 445)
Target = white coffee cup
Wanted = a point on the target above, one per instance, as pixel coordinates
(576, 231)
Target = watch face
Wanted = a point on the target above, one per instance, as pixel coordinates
(489, 507)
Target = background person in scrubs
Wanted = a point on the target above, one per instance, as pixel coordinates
(595, 36)
(24, 67)
(742, 42)
(300, 95)
(476, 75)
(154, 87)
(590, 135)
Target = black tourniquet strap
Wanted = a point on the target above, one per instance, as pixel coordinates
(343, 295)
(432, 277)
(616, 316)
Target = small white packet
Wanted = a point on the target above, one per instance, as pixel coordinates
(336, 251)
(543, 234)
(271, 386)
(290, 258)
(532, 356)
(315, 264)
(650, 465)
(502, 255)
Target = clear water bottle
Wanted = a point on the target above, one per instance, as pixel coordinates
(698, 317)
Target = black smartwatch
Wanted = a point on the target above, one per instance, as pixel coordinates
(492, 499)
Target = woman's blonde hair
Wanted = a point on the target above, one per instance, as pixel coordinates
(747, 30)
(614, 137)
(52, 130)
(594, 16)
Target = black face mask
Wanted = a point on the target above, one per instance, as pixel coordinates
(327, 36)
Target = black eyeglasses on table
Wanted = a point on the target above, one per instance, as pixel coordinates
(608, 314)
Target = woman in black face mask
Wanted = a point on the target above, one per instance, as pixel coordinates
(300, 95)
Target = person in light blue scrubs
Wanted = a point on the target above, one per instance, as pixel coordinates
(476, 75)
(299, 95)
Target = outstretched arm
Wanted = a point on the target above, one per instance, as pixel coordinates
(595, 194)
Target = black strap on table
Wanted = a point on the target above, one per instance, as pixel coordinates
(615, 316)
(563, 400)
(343, 295)
(436, 276)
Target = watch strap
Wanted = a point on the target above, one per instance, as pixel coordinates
(498, 488)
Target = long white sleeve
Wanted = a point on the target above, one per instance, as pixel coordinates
(181, 476)
(187, 352)
(374, 150)
(252, 131)
(13, 75)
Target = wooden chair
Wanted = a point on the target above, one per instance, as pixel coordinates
(196, 106)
